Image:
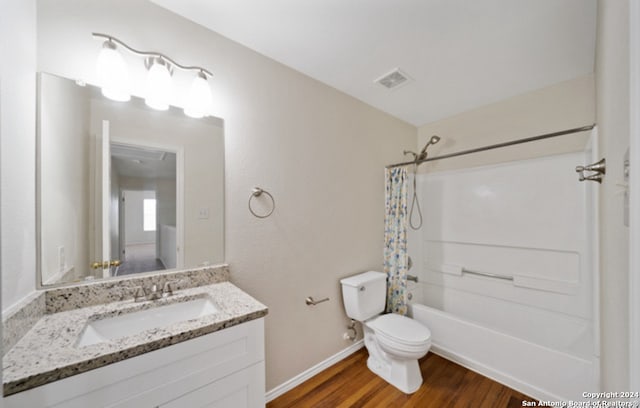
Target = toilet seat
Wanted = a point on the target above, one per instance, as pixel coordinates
(400, 331)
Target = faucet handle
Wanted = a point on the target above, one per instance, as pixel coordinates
(153, 293)
(140, 294)
(167, 289)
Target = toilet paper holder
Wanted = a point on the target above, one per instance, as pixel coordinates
(311, 302)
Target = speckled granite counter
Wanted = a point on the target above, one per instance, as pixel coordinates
(48, 351)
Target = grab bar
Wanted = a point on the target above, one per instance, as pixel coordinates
(488, 275)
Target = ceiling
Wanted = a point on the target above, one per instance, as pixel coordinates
(459, 54)
(145, 163)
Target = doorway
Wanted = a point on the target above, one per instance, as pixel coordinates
(138, 232)
(145, 180)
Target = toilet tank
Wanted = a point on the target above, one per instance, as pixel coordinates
(364, 295)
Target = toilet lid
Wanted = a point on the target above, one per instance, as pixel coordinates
(401, 329)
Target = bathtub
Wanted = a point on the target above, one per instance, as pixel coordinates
(508, 279)
(535, 370)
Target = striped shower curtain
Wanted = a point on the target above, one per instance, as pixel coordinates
(395, 239)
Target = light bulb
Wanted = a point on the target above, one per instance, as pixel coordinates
(113, 76)
(200, 101)
(158, 85)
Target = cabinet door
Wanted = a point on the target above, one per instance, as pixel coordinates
(243, 389)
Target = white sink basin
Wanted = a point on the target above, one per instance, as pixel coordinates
(132, 323)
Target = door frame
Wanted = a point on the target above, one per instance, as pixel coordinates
(634, 196)
(179, 152)
(105, 197)
(122, 238)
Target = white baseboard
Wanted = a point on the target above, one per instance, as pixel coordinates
(305, 375)
(444, 352)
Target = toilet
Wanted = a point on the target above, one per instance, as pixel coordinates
(394, 342)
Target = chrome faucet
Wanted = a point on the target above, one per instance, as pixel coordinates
(167, 289)
(154, 293)
(140, 294)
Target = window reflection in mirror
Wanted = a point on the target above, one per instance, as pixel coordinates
(122, 188)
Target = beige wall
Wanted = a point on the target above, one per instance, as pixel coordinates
(612, 88)
(319, 152)
(133, 212)
(64, 183)
(17, 149)
(566, 105)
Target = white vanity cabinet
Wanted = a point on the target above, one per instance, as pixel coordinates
(222, 369)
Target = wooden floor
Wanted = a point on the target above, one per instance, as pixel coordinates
(140, 258)
(350, 383)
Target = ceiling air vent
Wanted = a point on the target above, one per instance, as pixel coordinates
(393, 79)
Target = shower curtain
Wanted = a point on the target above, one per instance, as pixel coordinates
(395, 239)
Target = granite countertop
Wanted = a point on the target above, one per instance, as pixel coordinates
(49, 351)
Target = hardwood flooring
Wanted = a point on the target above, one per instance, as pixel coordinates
(349, 383)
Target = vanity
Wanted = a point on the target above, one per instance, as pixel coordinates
(134, 306)
(129, 310)
(95, 345)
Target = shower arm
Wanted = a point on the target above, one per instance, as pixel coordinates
(419, 157)
(415, 155)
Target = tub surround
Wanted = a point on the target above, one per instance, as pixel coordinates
(48, 351)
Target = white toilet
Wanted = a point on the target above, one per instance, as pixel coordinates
(395, 342)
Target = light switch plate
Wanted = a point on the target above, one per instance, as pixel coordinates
(203, 214)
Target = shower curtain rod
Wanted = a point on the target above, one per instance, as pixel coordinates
(496, 146)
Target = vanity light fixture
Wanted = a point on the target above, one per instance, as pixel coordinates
(158, 92)
(199, 102)
(114, 78)
(112, 73)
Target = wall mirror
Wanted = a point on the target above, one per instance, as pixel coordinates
(123, 188)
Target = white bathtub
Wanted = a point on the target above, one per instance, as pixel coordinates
(537, 371)
(532, 225)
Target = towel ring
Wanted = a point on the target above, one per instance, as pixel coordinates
(257, 192)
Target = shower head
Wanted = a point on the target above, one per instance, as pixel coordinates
(423, 154)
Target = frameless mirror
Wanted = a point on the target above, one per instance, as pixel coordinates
(123, 188)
